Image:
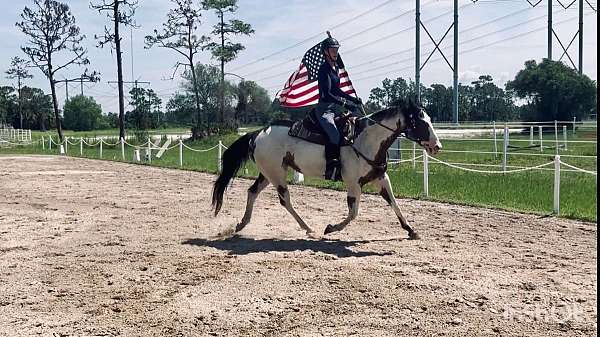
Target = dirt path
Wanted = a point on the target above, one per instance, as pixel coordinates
(96, 248)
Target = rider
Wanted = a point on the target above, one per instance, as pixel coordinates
(331, 100)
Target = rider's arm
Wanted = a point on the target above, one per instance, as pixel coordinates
(339, 92)
(326, 87)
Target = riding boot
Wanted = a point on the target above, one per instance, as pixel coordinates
(332, 162)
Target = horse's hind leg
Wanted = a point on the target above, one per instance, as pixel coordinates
(387, 194)
(259, 184)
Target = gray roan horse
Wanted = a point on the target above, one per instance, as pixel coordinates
(274, 151)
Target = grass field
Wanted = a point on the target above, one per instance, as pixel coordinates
(530, 191)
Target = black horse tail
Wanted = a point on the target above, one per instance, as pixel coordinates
(233, 158)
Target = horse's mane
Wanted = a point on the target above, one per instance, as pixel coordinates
(390, 111)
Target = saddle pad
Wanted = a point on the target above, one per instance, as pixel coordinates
(299, 131)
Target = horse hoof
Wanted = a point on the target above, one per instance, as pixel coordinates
(330, 229)
(413, 236)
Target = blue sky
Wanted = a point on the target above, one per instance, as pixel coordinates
(280, 24)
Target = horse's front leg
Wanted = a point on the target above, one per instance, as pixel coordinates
(386, 192)
(284, 200)
(353, 199)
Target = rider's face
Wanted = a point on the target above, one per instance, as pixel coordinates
(332, 53)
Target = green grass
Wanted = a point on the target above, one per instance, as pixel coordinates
(530, 191)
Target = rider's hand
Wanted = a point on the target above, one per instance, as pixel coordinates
(352, 107)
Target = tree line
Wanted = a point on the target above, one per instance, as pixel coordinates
(52, 34)
(545, 91)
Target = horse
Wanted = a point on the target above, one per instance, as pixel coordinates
(364, 161)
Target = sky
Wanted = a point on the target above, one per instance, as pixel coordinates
(377, 39)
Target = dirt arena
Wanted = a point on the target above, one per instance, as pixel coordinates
(97, 248)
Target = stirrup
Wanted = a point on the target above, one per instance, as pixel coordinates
(333, 170)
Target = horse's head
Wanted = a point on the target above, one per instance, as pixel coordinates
(418, 128)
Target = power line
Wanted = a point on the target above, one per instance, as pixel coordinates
(351, 36)
(472, 49)
(394, 34)
(411, 49)
(316, 35)
(403, 30)
(462, 42)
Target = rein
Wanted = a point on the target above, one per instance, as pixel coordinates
(365, 116)
(379, 165)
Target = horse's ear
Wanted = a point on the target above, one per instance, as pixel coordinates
(412, 102)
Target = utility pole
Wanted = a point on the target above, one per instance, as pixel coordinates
(418, 50)
(580, 37)
(455, 68)
(549, 29)
(437, 43)
(135, 83)
(92, 78)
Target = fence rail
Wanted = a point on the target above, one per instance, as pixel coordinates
(10, 135)
(423, 159)
(499, 148)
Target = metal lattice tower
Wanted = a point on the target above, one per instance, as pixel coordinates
(454, 66)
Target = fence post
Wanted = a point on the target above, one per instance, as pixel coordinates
(425, 173)
(43, 144)
(180, 152)
(101, 141)
(556, 184)
(220, 157)
(66, 142)
(49, 142)
(399, 153)
(495, 141)
(541, 145)
(149, 150)
(556, 135)
(531, 136)
(29, 131)
(414, 155)
(505, 149)
(298, 177)
(574, 120)
(565, 137)
(81, 146)
(123, 148)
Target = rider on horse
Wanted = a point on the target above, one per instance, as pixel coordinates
(331, 100)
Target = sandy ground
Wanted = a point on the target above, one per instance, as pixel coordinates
(95, 248)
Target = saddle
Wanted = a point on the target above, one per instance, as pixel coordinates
(308, 129)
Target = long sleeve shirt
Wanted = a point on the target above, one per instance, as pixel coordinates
(329, 86)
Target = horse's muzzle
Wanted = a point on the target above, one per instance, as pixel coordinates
(432, 148)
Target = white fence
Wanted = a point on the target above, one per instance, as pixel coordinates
(421, 157)
(10, 135)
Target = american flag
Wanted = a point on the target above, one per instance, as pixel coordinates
(302, 88)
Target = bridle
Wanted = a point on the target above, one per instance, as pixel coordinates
(365, 116)
(375, 164)
(412, 125)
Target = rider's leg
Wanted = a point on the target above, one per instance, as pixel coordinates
(332, 150)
